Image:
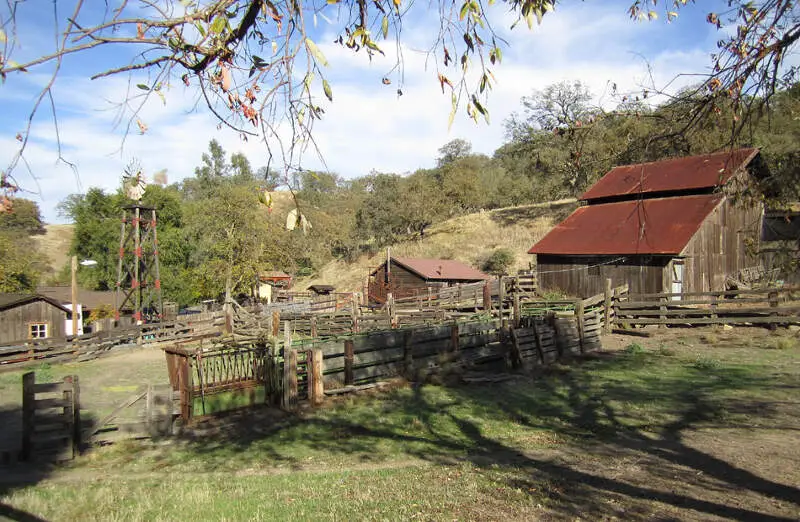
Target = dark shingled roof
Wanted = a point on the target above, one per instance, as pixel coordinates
(11, 300)
(679, 174)
(441, 269)
(650, 226)
(90, 299)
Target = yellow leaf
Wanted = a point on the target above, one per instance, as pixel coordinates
(327, 89)
(314, 50)
(2, 36)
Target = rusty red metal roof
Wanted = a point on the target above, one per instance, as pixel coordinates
(650, 226)
(273, 274)
(446, 269)
(694, 172)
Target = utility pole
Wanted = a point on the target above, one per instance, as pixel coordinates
(74, 296)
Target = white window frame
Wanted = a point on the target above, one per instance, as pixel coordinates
(34, 329)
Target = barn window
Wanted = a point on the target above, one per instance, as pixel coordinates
(38, 330)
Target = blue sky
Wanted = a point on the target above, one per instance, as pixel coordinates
(367, 127)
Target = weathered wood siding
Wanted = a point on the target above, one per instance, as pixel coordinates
(402, 282)
(15, 322)
(720, 248)
(573, 276)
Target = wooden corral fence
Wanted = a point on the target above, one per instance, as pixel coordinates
(51, 418)
(199, 372)
(778, 306)
(289, 370)
(86, 347)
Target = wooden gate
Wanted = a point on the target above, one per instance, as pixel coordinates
(51, 419)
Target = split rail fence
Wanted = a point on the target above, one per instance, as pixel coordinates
(778, 306)
(16, 354)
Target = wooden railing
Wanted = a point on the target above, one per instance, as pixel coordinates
(767, 306)
(21, 353)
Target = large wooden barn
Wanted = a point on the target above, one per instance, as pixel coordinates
(31, 316)
(406, 276)
(666, 226)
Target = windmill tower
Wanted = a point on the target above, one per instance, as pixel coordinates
(138, 278)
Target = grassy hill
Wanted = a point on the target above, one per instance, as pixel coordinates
(471, 239)
(54, 244)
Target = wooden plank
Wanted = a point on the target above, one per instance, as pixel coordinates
(50, 387)
(44, 404)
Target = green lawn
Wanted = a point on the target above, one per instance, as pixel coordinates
(673, 427)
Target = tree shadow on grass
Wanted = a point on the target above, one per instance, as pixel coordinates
(601, 411)
(592, 404)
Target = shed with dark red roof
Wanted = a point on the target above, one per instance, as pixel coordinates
(407, 276)
(666, 226)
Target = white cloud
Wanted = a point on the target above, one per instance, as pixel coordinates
(368, 126)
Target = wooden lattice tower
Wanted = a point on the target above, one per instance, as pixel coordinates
(138, 277)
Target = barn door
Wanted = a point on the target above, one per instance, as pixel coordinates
(677, 279)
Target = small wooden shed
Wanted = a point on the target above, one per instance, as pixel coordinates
(31, 316)
(667, 226)
(406, 276)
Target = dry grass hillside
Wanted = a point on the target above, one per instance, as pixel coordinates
(54, 244)
(471, 239)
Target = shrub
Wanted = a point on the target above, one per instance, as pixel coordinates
(705, 363)
(783, 343)
(499, 262)
(634, 349)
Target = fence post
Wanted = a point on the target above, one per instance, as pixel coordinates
(581, 320)
(28, 409)
(348, 362)
(317, 386)
(663, 309)
(487, 297)
(276, 322)
(76, 415)
(313, 322)
(289, 378)
(773, 303)
(502, 296)
(408, 359)
(607, 293)
(454, 338)
(187, 390)
(714, 315)
(354, 304)
(517, 311)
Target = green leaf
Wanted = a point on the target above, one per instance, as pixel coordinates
(314, 50)
(327, 89)
(200, 29)
(218, 25)
(464, 11)
(143, 87)
(385, 27)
